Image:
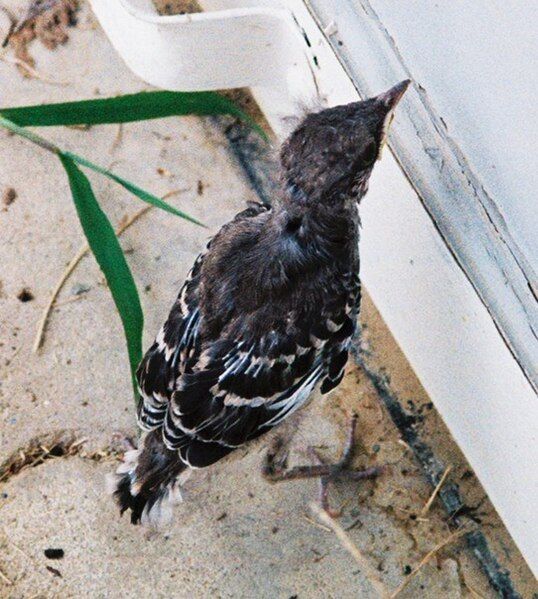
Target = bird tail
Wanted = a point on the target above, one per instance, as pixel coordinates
(148, 482)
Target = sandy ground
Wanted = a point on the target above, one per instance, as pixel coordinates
(235, 536)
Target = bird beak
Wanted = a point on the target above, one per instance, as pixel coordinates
(391, 97)
(389, 100)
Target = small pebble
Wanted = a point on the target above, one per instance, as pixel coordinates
(9, 196)
(54, 571)
(79, 289)
(25, 295)
(54, 553)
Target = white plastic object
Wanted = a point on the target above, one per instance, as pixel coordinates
(223, 49)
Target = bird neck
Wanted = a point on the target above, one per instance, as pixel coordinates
(335, 227)
(327, 228)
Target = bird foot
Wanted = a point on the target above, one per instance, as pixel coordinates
(275, 469)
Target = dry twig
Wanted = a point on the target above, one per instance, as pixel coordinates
(12, 24)
(474, 592)
(450, 539)
(38, 342)
(16, 547)
(316, 524)
(58, 446)
(67, 272)
(8, 581)
(45, 316)
(348, 544)
(117, 139)
(69, 300)
(31, 71)
(411, 513)
(428, 504)
(46, 20)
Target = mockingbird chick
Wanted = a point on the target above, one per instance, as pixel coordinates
(266, 315)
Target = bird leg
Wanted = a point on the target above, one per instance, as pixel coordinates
(275, 467)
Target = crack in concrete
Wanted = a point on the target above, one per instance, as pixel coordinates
(433, 468)
(53, 445)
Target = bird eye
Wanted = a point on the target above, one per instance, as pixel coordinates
(369, 155)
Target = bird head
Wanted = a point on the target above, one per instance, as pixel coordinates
(331, 154)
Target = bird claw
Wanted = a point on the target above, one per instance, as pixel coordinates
(275, 470)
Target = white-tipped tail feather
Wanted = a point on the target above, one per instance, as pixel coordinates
(148, 482)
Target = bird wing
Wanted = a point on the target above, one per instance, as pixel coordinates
(239, 390)
(166, 358)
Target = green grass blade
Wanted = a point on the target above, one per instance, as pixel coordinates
(126, 109)
(109, 255)
(134, 189)
(29, 135)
